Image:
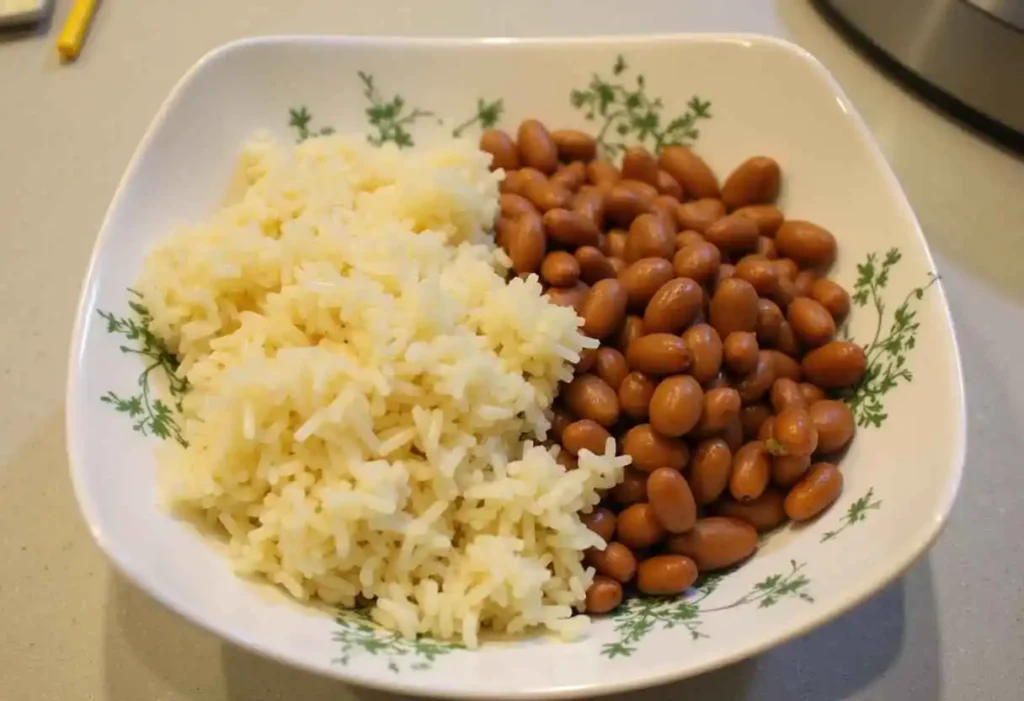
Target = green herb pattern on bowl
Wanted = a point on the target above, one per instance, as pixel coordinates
(625, 115)
(358, 634)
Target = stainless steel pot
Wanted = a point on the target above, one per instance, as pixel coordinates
(967, 56)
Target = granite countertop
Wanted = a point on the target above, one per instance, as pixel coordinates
(951, 629)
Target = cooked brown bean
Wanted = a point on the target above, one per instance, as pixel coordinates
(725, 271)
(635, 394)
(733, 435)
(676, 405)
(767, 431)
(560, 420)
(733, 233)
(651, 450)
(610, 366)
(815, 493)
(590, 397)
(615, 561)
(536, 149)
(699, 214)
(588, 356)
(755, 181)
(811, 322)
(603, 595)
(547, 195)
(687, 238)
(666, 575)
(752, 417)
(593, 265)
(671, 499)
(786, 366)
(835, 365)
(803, 282)
(698, 261)
(690, 171)
(571, 176)
(515, 205)
(706, 348)
(632, 489)
(719, 380)
(715, 542)
(585, 435)
(526, 244)
(590, 203)
(667, 185)
(739, 351)
(615, 243)
(787, 470)
(794, 431)
(604, 308)
(754, 385)
(560, 269)
(767, 217)
(760, 273)
(618, 265)
(622, 204)
(769, 319)
(516, 181)
(648, 238)
(658, 354)
(835, 424)
(502, 149)
(787, 268)
(574, 145)
(645, 191)
(567, 460)
(639, 164)
(603, 173)
(502, 227)
(750, 472)
(831, 296)
(570, 228)
(786, 341)
(638, 527)
(709, 470)
(600, 521)
(785, 293)
(808, 244)
(766, 248)
(733, 307)
(573, 296)
(632, 329)
(645, 277)
(812, 393)
(674, 306)
(721, 408)
(786, 394)
(664, 207)
(766, 513)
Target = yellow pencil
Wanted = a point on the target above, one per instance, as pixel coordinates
(69, 43)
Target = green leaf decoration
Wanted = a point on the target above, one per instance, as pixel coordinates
(628, 115)
(150, 415)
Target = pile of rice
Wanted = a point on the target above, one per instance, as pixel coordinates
(369, 391)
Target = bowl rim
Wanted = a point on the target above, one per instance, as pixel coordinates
(74, 437)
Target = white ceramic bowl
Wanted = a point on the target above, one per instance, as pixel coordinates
(766, 96)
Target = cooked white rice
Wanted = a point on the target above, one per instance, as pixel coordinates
(365, 385)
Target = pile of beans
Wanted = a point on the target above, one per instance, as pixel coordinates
(718, 354)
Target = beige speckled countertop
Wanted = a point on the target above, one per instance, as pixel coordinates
(70, 628)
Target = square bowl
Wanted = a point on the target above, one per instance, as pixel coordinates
(732, 95)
